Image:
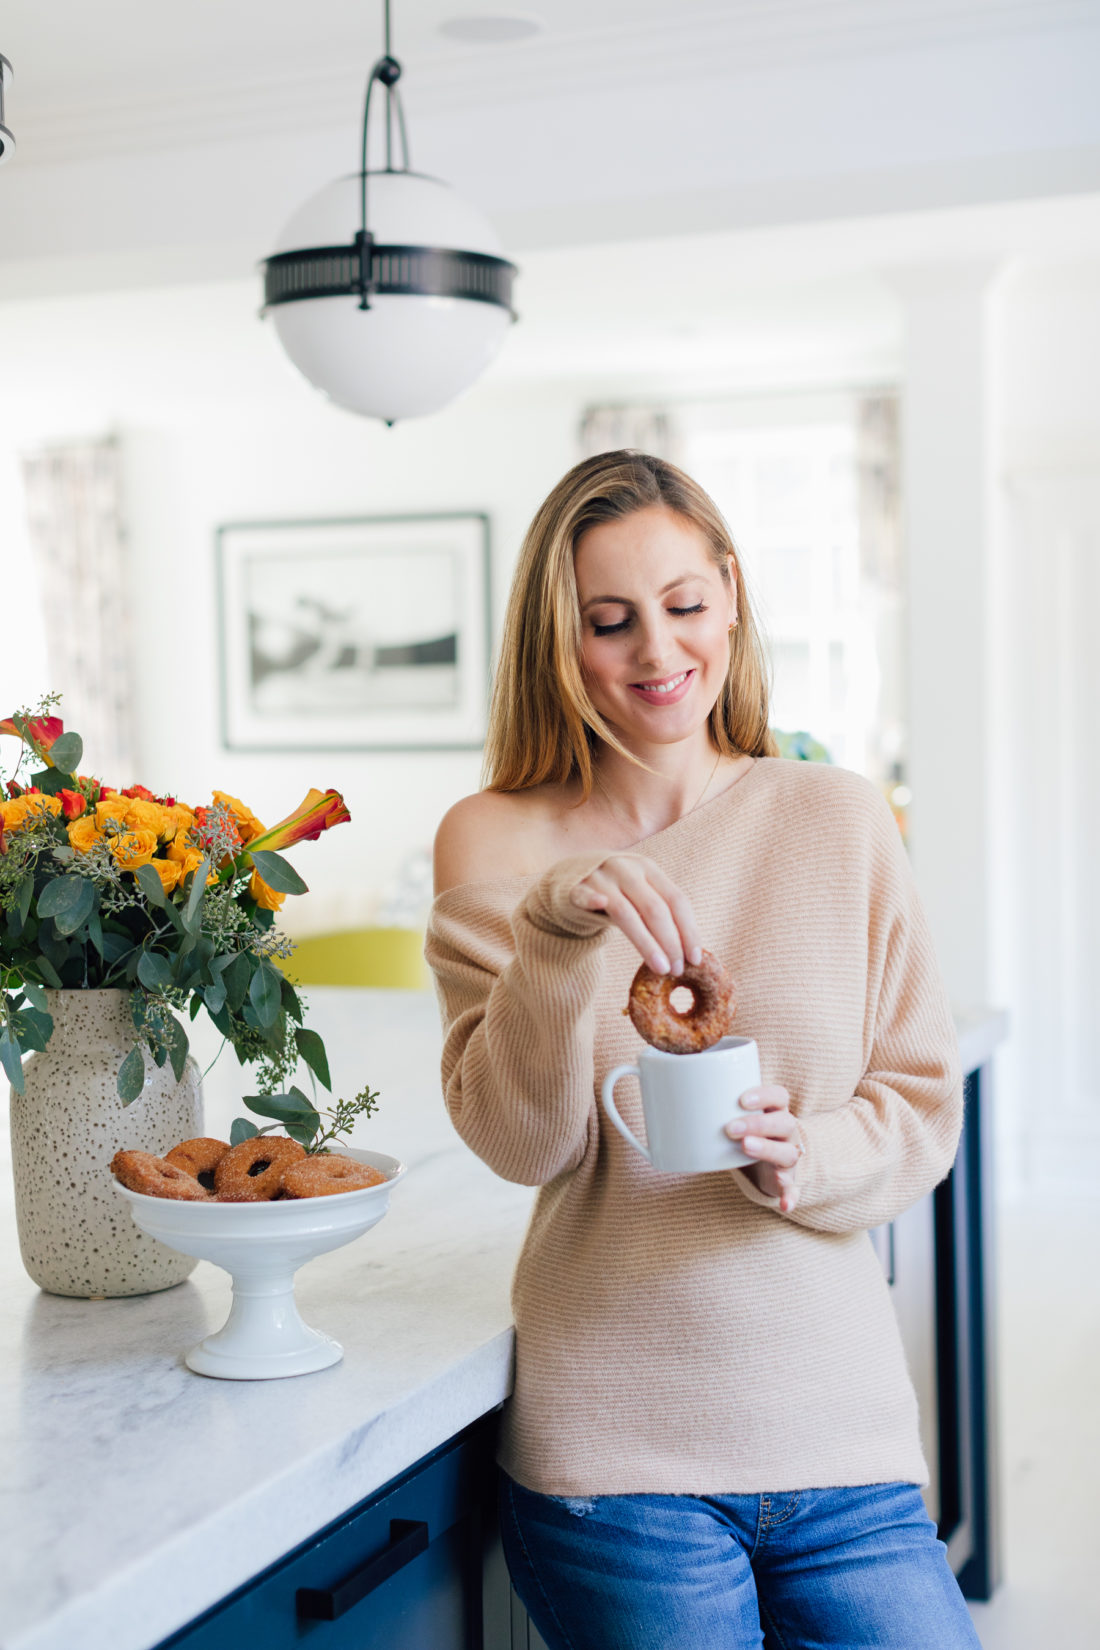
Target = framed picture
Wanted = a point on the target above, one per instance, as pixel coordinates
(354, 635)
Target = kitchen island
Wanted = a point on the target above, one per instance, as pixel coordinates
(138, 1495)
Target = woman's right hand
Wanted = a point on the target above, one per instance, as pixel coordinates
(646, 905)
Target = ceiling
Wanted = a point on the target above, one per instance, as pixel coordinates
(164, 144)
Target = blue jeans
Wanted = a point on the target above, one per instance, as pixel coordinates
(807, 1570)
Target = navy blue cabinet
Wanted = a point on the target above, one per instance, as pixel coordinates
(402, 1570)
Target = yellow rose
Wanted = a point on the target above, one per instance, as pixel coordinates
(132, 849)
(181, 845)
(20, 809)
(180, 818)
(248, 826)
(111, 806)
(84, 833)
(147, 816)
(169, 871)
(266, 898)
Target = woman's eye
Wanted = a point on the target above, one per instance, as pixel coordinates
(700, 607)
(609, 629)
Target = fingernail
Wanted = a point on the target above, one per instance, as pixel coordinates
(695, 956)
(677, 965)
(658, 962)
(752, 1142)
(735, 1130)
(751, 1097)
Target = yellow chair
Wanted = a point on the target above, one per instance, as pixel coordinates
(391, 958)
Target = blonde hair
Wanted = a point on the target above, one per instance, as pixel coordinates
(542, 723)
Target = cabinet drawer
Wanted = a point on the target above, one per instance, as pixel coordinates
(402, 1570)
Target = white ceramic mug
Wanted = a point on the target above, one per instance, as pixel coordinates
(687, 1100)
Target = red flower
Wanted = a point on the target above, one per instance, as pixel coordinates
(72, 803)
(42, 733)
(138, 791)
(318, 811)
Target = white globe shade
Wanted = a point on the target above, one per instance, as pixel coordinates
(408, 354)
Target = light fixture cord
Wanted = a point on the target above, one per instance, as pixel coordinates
(388, 71)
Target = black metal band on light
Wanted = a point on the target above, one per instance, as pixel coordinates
(412, 271)
(7, 140)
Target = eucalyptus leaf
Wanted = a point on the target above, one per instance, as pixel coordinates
(194, 898)
(278, 872)
(23, 897)
(62, 894)
(116, 946)
(11, 1062)
(301, 1132)
(284, 1108)
(265, 994)
(77, 914)
(312, 1050)
(35, 1029)
(195, 1005)
(95, 931)
(35, 996)
(131, 1076)
(154, 970)
(66, 752)
(50, 780)
(236, 976)
(177, 1047)
(214, 996)
(241, 1129)
(290, 999)
(48, 972)
(151, 886)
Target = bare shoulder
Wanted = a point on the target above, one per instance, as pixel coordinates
(489, 835)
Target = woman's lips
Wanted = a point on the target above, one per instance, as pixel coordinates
(664, 690)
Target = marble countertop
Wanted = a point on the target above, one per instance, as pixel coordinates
(135, 1494)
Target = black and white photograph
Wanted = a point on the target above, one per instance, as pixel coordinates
(354, 634)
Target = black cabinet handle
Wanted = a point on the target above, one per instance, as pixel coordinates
(408, 1539)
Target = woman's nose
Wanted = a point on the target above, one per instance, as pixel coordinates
(653, 639)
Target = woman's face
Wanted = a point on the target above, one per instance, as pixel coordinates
(655, 618)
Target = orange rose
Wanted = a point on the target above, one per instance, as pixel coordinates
(266, 898)
(30, 806)
(84, 833)
(169, 871)
(133, 849)
(248, 826)
(72, 803)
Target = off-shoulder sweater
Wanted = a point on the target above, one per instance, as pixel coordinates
(677, 1333)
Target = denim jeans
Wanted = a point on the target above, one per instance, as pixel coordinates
(809, 1570)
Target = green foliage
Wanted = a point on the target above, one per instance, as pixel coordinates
(74, 916)
(302, 1120)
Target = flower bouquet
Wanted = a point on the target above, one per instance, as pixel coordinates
(174, 904)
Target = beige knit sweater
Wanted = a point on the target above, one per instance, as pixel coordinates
(676, 1333)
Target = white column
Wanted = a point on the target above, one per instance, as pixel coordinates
(947, 490)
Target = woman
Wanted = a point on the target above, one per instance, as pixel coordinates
(713, 1438)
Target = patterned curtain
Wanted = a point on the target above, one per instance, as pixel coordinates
(646, 429)
(78, 541)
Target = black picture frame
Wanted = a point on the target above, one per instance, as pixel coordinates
(359, 633)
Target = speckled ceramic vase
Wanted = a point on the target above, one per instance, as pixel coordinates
(75, 1232)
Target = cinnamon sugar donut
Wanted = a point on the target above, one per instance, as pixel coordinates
(707, 1020)
(156, 1177)
(199, 1157)
(252, 1172)
(327, 1173)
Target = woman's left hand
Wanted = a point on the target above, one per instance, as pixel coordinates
(771, 1137)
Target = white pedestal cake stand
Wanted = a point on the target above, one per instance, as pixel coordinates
(262, 1245)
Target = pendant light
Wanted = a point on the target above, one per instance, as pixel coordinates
(386, 289)
(7, 142)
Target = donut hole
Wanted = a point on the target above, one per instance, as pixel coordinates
(681, 1000)
(261, 1166)
(205, 1177)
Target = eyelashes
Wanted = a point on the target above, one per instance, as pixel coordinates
(677, 612)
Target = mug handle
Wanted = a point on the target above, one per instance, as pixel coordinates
(606, 1095)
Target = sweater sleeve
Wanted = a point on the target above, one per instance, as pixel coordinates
(881, 1150)
(517, 1001)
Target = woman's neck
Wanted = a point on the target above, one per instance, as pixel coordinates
(675, 781)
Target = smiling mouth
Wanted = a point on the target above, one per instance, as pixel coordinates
(669, 688)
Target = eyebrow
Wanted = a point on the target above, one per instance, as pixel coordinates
(621, 601)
